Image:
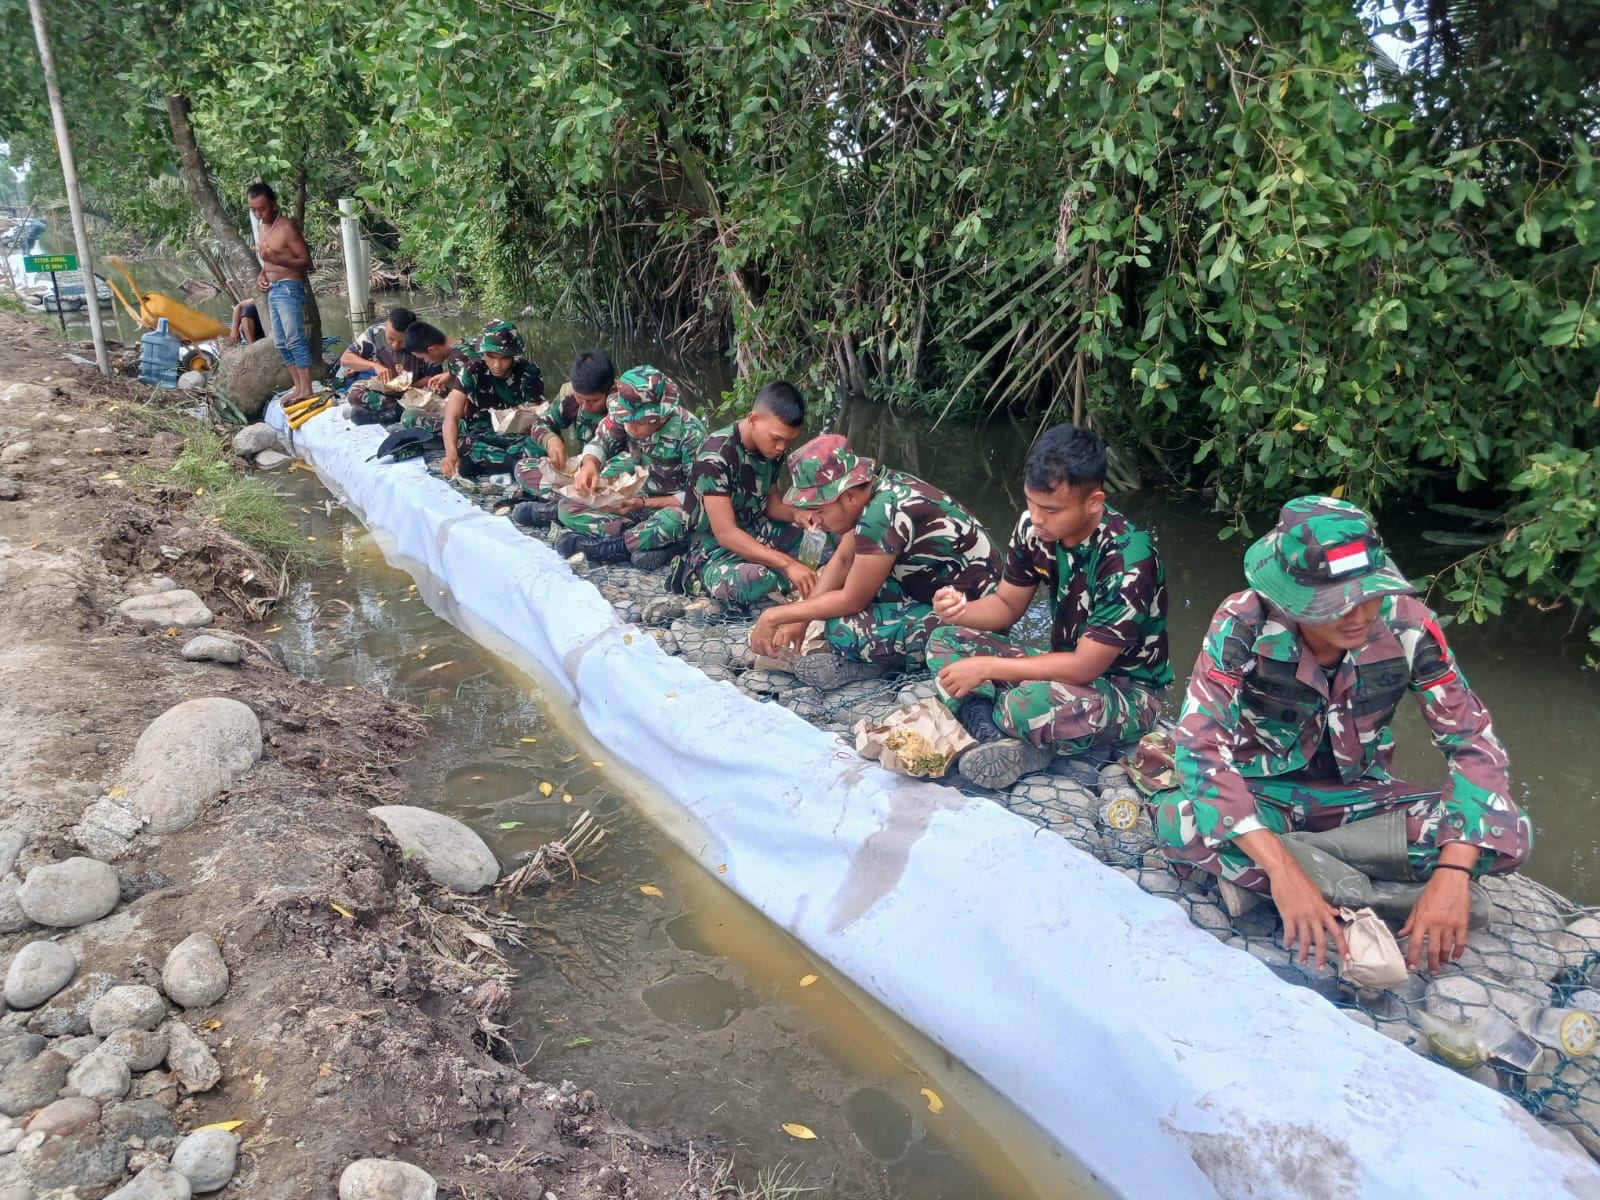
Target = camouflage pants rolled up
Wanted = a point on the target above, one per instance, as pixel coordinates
(385, 404)
(645, 529)
(721, 574)
(1287, 805)
(482, 451)
(892, 632)
(1068, 718)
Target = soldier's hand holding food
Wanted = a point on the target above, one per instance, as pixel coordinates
(588, 476)
(556, 451)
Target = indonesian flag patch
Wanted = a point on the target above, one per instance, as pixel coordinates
(1352, 556)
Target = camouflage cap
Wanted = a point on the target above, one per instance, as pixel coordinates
(1320, 560)
(642, 394)
(500, 337)
(822, 469)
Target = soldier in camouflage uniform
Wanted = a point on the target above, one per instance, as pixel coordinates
(580, 407)
(1105, 677)
(499, 377)
(901, 541)
(1284, 740)
(644, 427)
(424, 352)
(743, 536)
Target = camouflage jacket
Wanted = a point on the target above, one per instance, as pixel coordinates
(669, 453)
(523, 385)
(1109, 588)
(1260, 706)
(566, 413)
(370, 342)
(934, 540)
(725, 468)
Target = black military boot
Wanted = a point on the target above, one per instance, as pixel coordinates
(977, 718)
(568, 542)
(654, 560)
(604, 549)
(534, 514)
(360, 414)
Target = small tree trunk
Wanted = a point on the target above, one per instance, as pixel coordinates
(238, 259)
(300, 198)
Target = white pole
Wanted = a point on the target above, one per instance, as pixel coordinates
(356, 273)
(69, 172)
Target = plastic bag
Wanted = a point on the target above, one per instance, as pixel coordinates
(1375, 960)
(921, 739)
(398, 383)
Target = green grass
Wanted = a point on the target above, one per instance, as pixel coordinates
(777, 1182)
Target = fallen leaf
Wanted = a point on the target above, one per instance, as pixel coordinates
(441, 666)
(596, 763)
(1338, 492)
(211, 1024)
(577, 1041)
(807, 980)
(349, 687)
(546, 787)
(650, 889)
(723, 869)
(276, 629)
(798, 1131)
(566, 799)
(569, 758)
(173, 632)
(342, 911)
(1300, 427)
(324, 1070)
(528, 741)
(509, 825)
(225, 1126)
(381, 603)
(627, 639)
(119, 791)
(934, 1103)
(111, 475)
(200, 491)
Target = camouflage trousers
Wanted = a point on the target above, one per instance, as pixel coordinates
(892, 631)
(530, 471)
(1287, 805)
(1069, 718)
(385, 404)
(482, 451)
(721, 574)
(644, 529)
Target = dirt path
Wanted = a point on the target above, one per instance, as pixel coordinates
(348, 1030)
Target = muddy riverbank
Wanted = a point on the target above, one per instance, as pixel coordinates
(346, 1031)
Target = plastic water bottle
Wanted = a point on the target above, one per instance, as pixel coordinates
(158, 356)
(812, 545)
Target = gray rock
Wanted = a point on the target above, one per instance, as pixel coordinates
(194, 974)
(189, 1059)
(33, 1084)
(38, 971)
(249, 375)
(451, 854)
(76, 1049)
(158, 1181)
(190, 380)
(15, 453)
(12, 918)
(272, 460)
(72, 892)
(9, 1139)
(661, 610)
(386, 1179)
(181, 608)
(105, 831)
(146, 1120)
(101, 1077)
(207, 1158)
(210, 648)
(153, 586)
(18, 1047)
(68, 1115)
(84, 1161)
(142, 1049)
(10, 489)
(67, 1015)
(12, 843)
(186, 756)
(130, 1006)
(1456, 998)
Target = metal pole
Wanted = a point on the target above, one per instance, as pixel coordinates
(61, 305)
(358, 275)
(69, 172)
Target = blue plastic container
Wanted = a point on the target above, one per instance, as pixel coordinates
(158, 356)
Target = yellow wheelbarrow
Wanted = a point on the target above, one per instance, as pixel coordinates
(191, 326)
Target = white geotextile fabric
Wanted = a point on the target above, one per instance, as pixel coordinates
(1164, 1061)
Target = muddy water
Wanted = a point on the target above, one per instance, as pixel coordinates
(689, 1009)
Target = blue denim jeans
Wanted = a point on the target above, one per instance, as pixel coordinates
(286, 299)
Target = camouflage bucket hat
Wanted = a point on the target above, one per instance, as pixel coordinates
(642, 394)
(500, 337)
(1320, 560)
(822, 469)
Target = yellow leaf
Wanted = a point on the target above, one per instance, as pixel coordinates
(807, 980)
(651, 889)
(723, 869)
(627, 639)
(342, 911)
(1301, 427)
(111, 475)
(225, 1126)
(1203, 370)
(199, 491)
(934, 1103)
(528, 741)
(1397, 370)
(1338, 492)
(381, 603)
(276, 629)
(311, 539)
(173, 632)
(798, 1131)
(597, 763)
(119, 792)
(546, 787)
(566, 799)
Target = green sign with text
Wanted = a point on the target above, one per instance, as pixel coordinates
(50, 262)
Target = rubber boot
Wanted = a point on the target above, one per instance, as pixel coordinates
(977, 718)
(534, 514)
(1375, 846)
(360, 414)
(604, 549)
(654, 560)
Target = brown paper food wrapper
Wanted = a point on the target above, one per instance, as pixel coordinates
(813, 643)
(516, 420)
(921, 739)
(397, 385)
(1375, 960)
(426, 400)
(608, 494)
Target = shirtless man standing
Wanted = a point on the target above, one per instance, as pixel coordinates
(285, 260)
